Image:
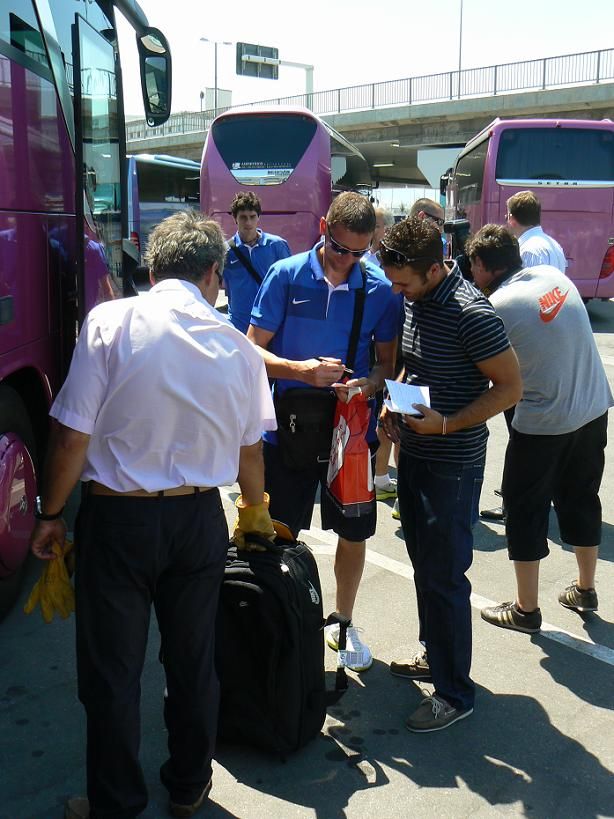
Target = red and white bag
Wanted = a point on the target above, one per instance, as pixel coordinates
(350, 477)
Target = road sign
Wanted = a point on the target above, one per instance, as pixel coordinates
(265, 70)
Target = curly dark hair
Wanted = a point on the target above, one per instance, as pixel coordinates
(185, 246)
(415, 238)
(496, 247)
(245, 201)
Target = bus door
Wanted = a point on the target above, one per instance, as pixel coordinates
(99, 196)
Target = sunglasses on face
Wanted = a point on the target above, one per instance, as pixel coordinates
(397, 258)
(439, 222)
(343, 251)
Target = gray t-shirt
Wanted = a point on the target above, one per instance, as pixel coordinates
(564, 383)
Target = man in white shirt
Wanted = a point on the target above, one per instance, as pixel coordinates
(536, 247)
(164, 402)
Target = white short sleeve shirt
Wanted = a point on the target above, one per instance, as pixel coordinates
(168, 390)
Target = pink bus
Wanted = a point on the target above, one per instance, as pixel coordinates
(289, 157)
(63, 220)
(569, 164)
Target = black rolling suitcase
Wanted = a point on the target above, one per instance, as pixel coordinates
(270, 649)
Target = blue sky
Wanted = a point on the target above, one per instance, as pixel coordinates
(351, 42)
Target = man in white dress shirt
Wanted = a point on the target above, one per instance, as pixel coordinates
(536, 247)
(164, 402)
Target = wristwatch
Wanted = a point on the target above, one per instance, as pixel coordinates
(40, 515)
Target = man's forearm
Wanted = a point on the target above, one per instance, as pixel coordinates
(278, 367)
(495, 400)
(63, 466)
(251, 474)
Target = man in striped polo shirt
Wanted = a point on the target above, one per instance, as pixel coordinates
(454, 343)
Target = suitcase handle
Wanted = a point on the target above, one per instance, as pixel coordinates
(259, 540)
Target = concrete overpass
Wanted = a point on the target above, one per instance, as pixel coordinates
(391, 122)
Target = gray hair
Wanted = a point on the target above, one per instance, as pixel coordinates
(185, 245)
(387, 216)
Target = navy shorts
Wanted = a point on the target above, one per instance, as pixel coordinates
(293, 496)
(563, 469)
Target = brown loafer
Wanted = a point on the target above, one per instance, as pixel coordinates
(179, 810)
(77, 807)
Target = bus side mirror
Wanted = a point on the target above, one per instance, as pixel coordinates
(156, 75)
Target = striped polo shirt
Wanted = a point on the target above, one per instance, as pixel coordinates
(444, 336)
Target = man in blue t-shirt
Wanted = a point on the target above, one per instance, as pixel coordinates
(301, 321)
(455, 344)
(250, 254)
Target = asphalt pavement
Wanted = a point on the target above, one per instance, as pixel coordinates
(540, 742)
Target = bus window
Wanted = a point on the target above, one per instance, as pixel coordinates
(556, 154)
(272, 151)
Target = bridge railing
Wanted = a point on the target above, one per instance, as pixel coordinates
(584, 68)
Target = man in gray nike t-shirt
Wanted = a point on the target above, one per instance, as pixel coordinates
(558, 437)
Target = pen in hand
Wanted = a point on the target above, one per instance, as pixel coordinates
(346, 370)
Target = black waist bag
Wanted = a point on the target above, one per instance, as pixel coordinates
(305, 418)
(270, 650)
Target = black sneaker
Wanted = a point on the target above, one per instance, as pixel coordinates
(573, 597)
(415, 669)
(496, 515)
(508, 615)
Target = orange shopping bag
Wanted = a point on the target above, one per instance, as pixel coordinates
(350, 478)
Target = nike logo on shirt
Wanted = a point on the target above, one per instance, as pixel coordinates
(551, 303)
(300, 301)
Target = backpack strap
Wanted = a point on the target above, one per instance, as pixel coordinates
(245, 261)
(359, 309)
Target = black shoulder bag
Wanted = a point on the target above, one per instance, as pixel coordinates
(305, 415)
(246, 262)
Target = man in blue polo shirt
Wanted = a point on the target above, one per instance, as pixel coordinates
(454, 343)
(301, 321)
(250, 254)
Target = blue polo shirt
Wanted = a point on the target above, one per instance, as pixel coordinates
(241, 287)
(310, 320)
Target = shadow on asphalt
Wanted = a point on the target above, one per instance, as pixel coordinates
(588, 680)
(508, 753)
(601, 315)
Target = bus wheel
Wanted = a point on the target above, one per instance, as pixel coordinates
(17, 493)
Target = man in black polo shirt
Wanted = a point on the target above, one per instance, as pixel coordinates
(454, 343)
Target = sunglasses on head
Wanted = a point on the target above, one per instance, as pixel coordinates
(438, 221)
(343, 251)
(397, 258)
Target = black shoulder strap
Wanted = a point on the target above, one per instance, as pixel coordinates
(245, 261)
(359, 309)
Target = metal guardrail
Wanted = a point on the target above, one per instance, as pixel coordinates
(587, 68)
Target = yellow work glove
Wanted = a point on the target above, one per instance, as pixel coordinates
(53, 591)
(254, 519)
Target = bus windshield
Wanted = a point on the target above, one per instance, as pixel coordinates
(570, 154)
(272, 151)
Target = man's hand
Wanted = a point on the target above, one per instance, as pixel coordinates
(366, 386)
(321, 372)
(390, 423)
(430, 424)
(44, 535)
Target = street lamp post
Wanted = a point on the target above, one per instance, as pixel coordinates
(216, 43)
(460, 48)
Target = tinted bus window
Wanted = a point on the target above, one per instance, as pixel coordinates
(469, 175)
(19, 28)
(556, 153)
(263, 150)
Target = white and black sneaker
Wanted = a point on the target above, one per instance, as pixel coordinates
(357, 656)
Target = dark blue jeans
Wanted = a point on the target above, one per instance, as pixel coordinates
(438, 502)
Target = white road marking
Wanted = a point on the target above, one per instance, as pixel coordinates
(326, 543)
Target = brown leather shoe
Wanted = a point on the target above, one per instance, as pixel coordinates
(77, 807)
(178, 810)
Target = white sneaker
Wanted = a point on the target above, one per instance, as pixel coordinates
(386, 490)
(357, 655)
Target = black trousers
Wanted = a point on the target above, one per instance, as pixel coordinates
(132, 552)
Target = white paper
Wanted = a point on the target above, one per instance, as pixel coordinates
(402, 396)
